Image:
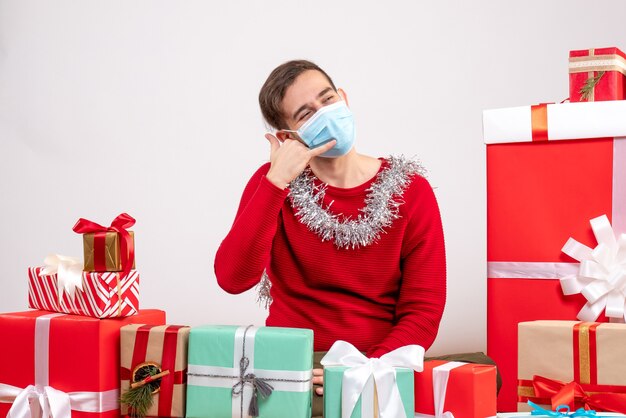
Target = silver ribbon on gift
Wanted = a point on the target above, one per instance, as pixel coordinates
(246, 381)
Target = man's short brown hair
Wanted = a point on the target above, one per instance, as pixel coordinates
(273, 90)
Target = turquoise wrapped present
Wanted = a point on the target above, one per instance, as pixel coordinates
(358, 387)
(249, 371)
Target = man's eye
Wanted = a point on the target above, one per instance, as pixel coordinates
(328, 98)
(304, 115)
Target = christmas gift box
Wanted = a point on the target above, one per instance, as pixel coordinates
(577, 364)
(100, 295)
(154, 362)
(550, 169)
(597, 74)
(241, 371)
(108, 248)
(358, 387)
(62, 365)
(464, 390)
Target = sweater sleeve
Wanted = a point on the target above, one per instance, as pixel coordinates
(244, 253)
(422, 293)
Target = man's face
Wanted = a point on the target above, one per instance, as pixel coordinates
(309, 92)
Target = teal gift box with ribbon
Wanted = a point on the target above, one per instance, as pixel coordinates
(359, 387)
(333, 377)
(249, 371)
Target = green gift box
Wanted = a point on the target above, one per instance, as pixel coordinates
(333, 377)
(230, 369)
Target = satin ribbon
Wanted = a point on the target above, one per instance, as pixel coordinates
(69, 271)
(379, 371)
(601, 277)
(539, 122)
(574, 395)
(42, 400)
(119, 225)
(561, 411)
(441, 375)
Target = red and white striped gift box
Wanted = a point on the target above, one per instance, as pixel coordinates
(103, 294)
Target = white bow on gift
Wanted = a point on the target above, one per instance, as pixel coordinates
(69, 271)
(361, 369)
(601, 277)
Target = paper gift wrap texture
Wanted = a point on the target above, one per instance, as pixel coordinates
(553, 354)
(100, 295)
(603, 68)
(550, 170)
(163, 347)
(63, 363)
(233, 369)
(464, 390)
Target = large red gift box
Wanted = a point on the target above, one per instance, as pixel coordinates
(550, 170)
(63, 355)
(103, 295)
(463, 389)
(605, 68)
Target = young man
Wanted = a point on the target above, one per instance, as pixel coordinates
(352, 245)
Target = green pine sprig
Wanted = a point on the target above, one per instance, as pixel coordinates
(586, 90)
(140, 399)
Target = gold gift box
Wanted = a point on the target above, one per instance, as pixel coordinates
(112, 253)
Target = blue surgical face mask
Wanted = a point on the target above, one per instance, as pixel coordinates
(334, 121)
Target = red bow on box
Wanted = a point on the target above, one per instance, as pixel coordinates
(119, 225)
(573, 395)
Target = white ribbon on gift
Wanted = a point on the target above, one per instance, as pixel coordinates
(441, 375)
(227, 377)
(43, 401)
(69, 271)
(601, 277)
(363, 372)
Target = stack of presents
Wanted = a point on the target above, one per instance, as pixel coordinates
(556, 209)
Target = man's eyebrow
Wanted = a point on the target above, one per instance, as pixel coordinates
(305, 106)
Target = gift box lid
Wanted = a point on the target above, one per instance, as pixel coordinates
(597, 59)
(582, 120)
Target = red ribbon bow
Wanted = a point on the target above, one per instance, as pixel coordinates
(119, 225)
(573, 395)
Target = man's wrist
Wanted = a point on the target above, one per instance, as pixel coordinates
(275, 181)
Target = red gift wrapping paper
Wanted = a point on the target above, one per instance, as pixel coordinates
(588, 63)
(470, 393)
(103, 295)
(538, 195)
(83, 354)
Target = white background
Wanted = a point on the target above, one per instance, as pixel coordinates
(150, 107)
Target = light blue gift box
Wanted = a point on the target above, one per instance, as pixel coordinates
(283, 357)
(333, 377)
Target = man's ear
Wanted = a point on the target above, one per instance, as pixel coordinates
(343, 95)
(282, 136)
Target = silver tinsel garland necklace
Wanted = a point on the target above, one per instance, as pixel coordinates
(381, 209)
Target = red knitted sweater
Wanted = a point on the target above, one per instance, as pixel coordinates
(379, 297)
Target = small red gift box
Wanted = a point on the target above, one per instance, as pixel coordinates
(597, 74)
(68, 362)
(463, 389)
(103, 295)
(550, 169)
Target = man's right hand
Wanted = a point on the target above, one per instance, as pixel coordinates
(290, 158)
